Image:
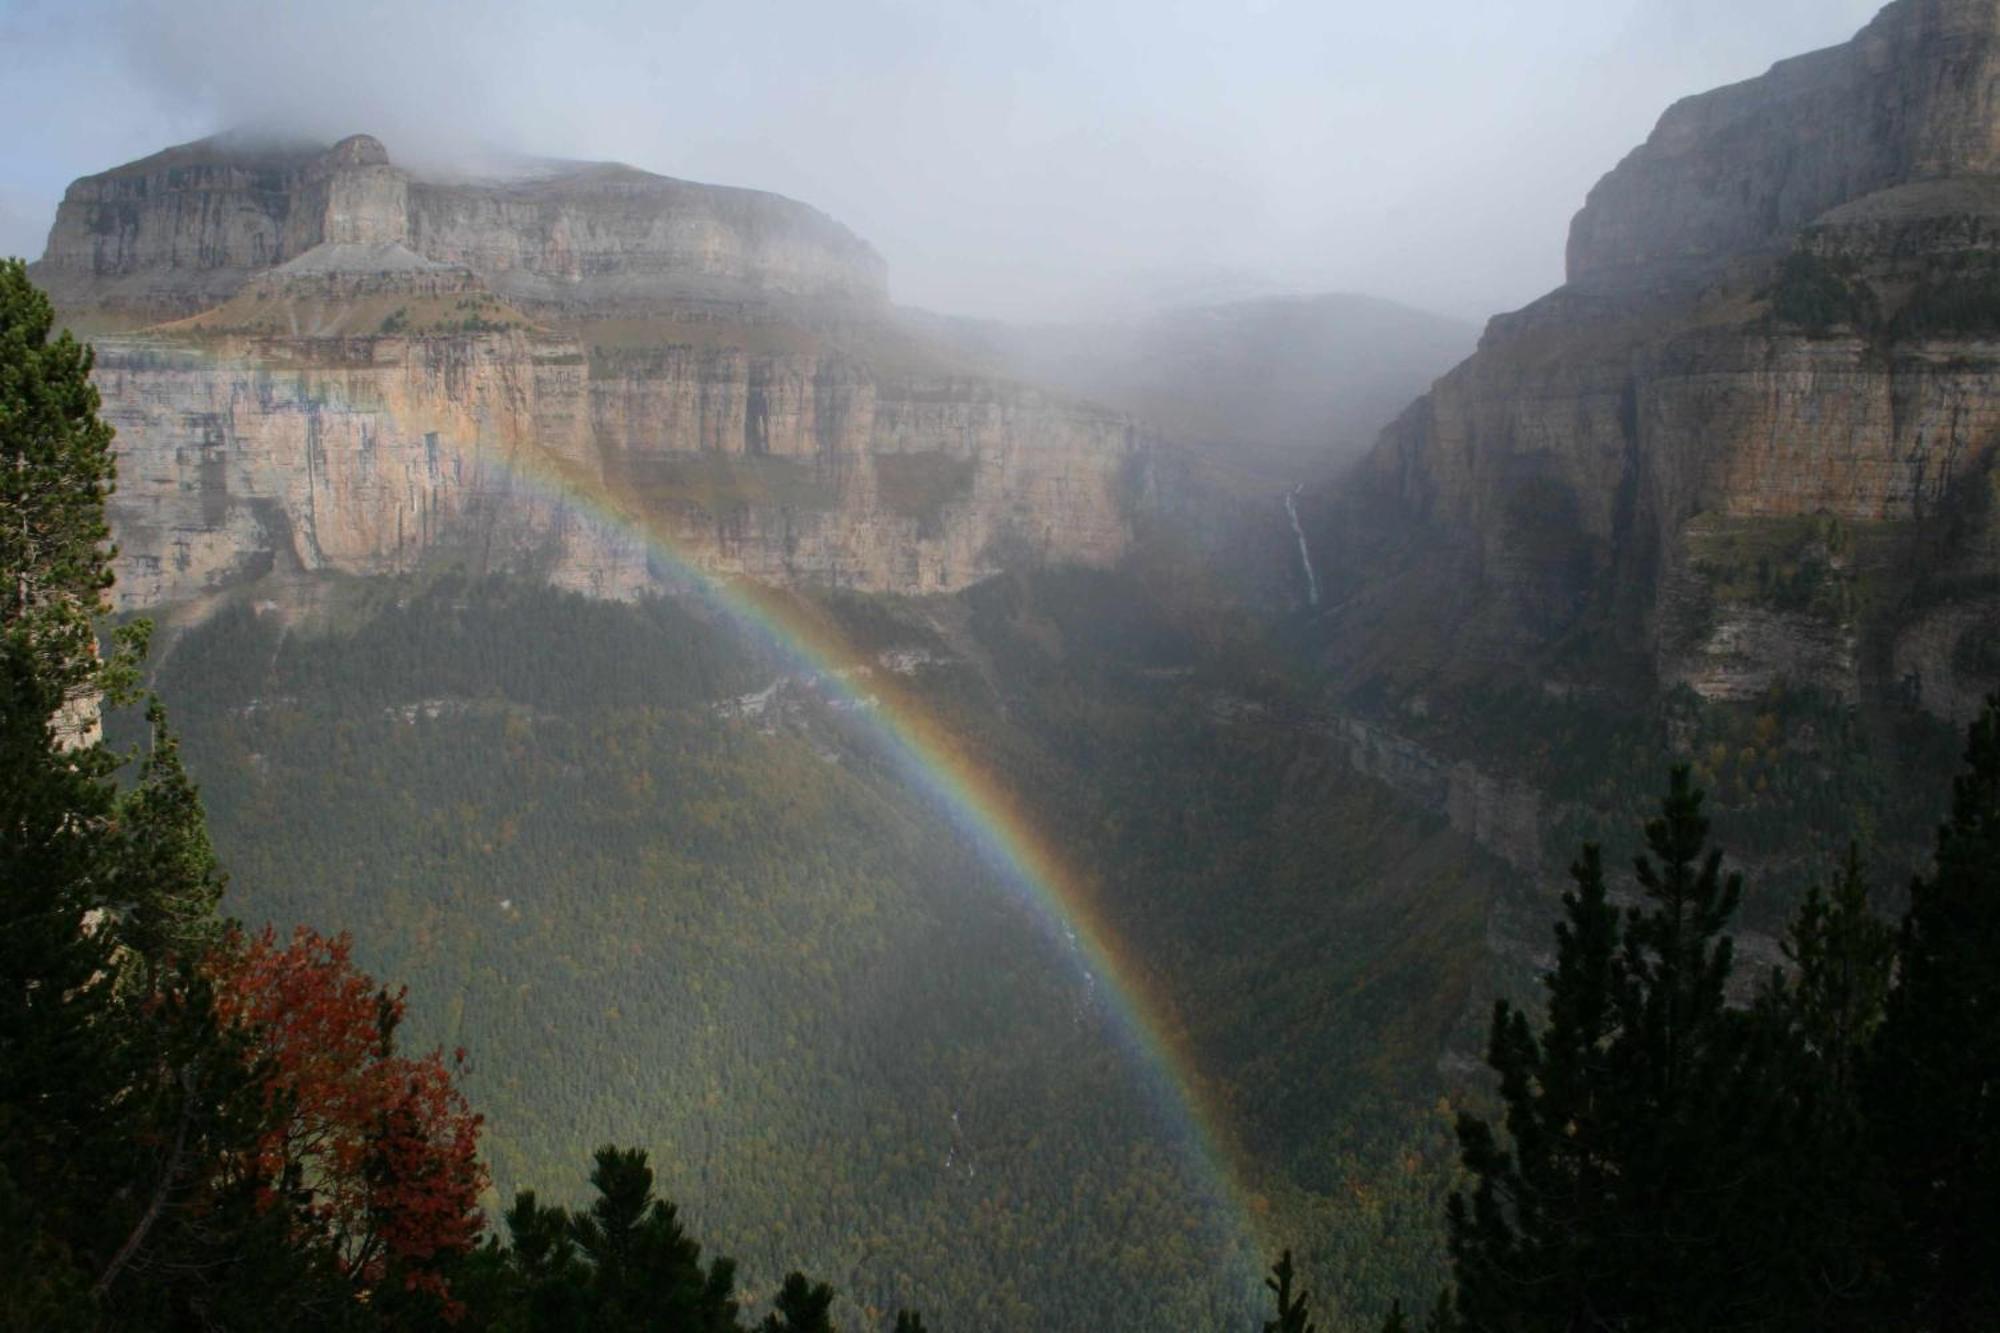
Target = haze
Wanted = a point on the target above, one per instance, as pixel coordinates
(1024, 160)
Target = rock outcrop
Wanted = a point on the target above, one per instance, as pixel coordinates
(1741, 169)
(317, 362)
(601, 236)
(184, 229)
(1753, 439)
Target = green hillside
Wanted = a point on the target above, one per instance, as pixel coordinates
(657, 916)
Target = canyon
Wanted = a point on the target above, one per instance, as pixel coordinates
(1319, 724)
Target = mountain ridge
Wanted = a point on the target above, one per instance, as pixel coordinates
(1741, 168)
(343, 368)
(1750, 455)
(186, 226)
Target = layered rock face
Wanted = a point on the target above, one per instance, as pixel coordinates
(1741, 169)
(386, 454)
(601, 235)
(595, 375)
(1754, 438)
(174, 233)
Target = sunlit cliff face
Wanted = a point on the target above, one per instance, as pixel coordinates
(329, 364)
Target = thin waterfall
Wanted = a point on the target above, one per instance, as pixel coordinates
(1305, 555)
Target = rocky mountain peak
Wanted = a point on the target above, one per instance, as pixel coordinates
(1739, 170)
(1753, 441)
(188, 228)
(358, 150)
(353, 196)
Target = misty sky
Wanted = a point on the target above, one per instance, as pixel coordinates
(1017, 159)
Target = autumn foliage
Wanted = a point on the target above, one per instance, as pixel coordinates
(375, 1153)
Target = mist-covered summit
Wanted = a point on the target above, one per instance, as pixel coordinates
(1737, 171)
(186, 227)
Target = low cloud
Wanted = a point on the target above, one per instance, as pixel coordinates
(1018, 159)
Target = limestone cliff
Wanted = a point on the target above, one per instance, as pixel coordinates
(177, 232)
(242, 456)
(317, 362)
(1741, 169)
(1754, 437)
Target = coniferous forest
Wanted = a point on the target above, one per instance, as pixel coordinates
(205, 1127)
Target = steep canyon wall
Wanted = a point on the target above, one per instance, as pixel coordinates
(318, 362)
(1753, 439)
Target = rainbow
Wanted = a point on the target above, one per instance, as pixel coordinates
(985, 810)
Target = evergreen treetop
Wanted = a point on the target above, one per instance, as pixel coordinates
(1933, 1098)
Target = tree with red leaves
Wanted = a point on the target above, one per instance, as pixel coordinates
(374, 1154)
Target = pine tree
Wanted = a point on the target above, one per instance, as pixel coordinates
(1524, 1244)
(1694, 1129)
(114, 1084)
(1816, 1024)
(1292, 1316)
(122, 1099)
(55, 1026)
(1639, 1121)
(646, 1270)
(622, 1265)
(55, 473)
(1933, 1090)
(1842, 957)
(541, 1283)
(804, 1306)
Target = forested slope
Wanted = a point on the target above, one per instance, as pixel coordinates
(662, 905)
